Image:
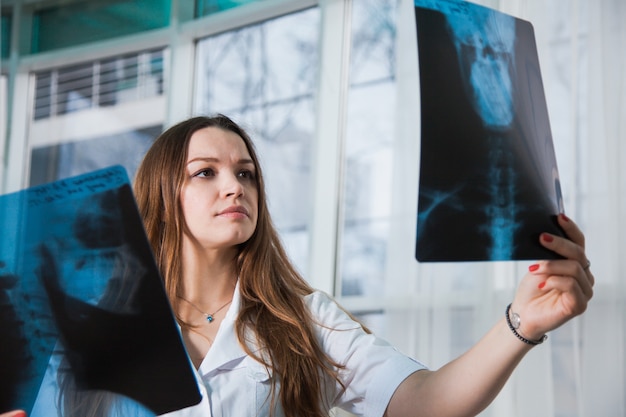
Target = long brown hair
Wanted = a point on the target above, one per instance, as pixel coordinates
(272, 291)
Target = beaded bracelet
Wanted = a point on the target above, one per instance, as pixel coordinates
(515, 326)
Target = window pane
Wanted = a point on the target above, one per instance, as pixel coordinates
(81, 119)
(89, 21)
(65, 160)
(369, 148)
(100, 83)
(207, 7)
(264, 76)
(5, 35)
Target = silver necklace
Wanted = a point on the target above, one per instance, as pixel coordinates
(209, 316)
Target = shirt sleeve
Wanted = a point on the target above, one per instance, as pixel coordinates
(373, 368)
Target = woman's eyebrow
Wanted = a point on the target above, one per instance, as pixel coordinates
(203, 159)
(243, 161)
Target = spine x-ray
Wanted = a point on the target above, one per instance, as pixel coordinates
(489, 182)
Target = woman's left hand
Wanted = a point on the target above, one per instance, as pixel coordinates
(554, 291)
(16, 413)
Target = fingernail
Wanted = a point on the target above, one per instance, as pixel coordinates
(541, 285)
(533, 267)
(564, 217)
(547, 237)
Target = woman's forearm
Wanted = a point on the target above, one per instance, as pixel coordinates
(466, 385)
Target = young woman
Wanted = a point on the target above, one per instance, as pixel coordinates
(264, 342)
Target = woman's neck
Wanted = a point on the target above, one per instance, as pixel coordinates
(208, 277)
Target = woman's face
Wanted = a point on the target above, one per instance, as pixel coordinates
(219, 195)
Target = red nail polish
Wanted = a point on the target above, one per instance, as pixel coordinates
(547, 237)
(564, 217)
(541, 285)
(533, 267)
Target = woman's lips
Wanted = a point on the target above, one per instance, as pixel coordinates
(234, 211)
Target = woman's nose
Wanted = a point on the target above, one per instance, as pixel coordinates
(232, 186)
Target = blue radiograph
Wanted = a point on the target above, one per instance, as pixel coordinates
(492, 185)
(44, 215)
(82, 300)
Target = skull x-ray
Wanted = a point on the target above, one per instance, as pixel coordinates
(489, 182)
(85, 318)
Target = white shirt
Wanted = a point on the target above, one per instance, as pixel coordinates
(234, 384)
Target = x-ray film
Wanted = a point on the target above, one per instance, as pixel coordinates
(84, 318)
(489, 182)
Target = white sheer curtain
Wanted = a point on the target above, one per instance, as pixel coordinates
(441, 309)
(582, 47)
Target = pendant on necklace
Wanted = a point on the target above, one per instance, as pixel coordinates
(209, 317)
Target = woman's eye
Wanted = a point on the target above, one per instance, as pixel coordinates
(246, 174)
(208, 172)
